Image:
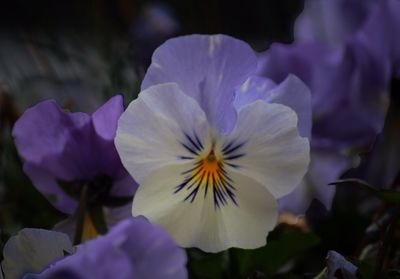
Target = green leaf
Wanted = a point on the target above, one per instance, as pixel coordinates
(206, 265)
(389, 196)
(276, 253)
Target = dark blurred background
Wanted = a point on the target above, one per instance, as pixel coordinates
(57, 48)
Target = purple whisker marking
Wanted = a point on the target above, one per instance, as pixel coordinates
(185, 157)
(188, 148)
(232, 165)
(198, 141)
(195, 143)
(232, 147)
(233, 157)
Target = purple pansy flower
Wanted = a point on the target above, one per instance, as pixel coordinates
(212, 145)
(134, 248)
(337, 265)
(373, 23)
(66, 152)
(348, 72)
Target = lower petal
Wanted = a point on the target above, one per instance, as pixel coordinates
(198, 222)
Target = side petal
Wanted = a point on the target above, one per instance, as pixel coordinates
(325, 167)
(199, 223)
(332, 21)
(207, 68)
(106, 117)
(44, 129)
(57, 141)
(255, 88)
(292, 92)
(154, 130)
(272, 151)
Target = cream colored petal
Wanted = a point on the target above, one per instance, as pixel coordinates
(152, 129)
(272, 151)
(200, 223)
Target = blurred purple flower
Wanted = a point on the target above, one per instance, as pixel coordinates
(134, 248)
(63, 151)
(339, 267)
(330, 21)
(155, 24)
(342, 53)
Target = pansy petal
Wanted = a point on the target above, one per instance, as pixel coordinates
(43, 130)
(292, 92)
(331, 21)
(106, 117)
(207, 68)
(134, 248)
(255, 88)
(163, 126)
(272, 151)
(45, 135)
(47, 184)
(32, 250)
(325, 167)
(200, 223)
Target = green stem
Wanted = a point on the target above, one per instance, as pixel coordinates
(233, 264)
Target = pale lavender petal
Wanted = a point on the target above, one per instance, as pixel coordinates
(347, 84)
(332, 21)
(380, 37)
(207, 68)
(325, 167)
(255, 88)
(292, 92)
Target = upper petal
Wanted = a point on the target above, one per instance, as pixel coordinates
(332, 21)
(44, 129)
(106, 117)
(292, 92)
(155, 128)
(272, 152)
(207, 68)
